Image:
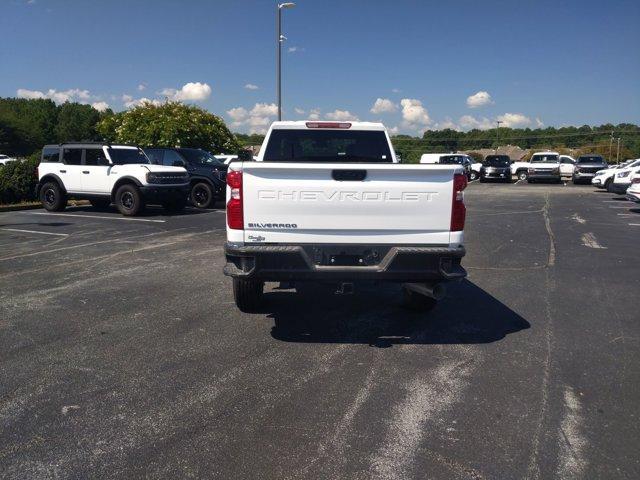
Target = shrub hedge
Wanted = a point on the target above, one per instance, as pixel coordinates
(18, 180)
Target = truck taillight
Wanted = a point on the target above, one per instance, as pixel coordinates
(235, 217)
(458, 210)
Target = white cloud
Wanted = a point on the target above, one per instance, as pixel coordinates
(341, 115)
(142, 86)
(469, 122)
(514, 120)
(238, 114)
(314, 114)
(169, 93)
(479, 99)
(414, 115)
(71, 95)
(100, 106)
(383, 105)
(509, 120)
(264, 109)
(394, 130)
(539, 123)
(396, 90)
(446, 123)
(130, 102)
(30, 94)
(251, 86)
(295, 49)
(299, 111)
(257, 119)
(194, 91)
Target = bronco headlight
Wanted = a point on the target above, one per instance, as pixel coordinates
(153, 178)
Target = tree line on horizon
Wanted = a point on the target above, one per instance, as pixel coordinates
(28, 124)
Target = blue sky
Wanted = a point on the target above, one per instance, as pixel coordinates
(431, 64)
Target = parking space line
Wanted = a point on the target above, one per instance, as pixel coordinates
(35, 231)
(100, 216)
(626, 207)
(614, 201)
(635, 224)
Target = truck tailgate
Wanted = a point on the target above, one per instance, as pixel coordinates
(332, 203)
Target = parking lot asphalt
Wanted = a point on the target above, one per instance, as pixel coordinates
(122, 354)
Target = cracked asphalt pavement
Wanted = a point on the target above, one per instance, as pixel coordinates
(122, 354)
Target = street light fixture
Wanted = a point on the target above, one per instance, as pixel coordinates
(279, 39)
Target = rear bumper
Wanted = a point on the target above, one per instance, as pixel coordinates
(161, 193)
(343, 262)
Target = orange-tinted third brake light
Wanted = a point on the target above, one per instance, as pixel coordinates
(328, 125)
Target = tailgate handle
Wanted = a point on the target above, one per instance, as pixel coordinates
(349, 175)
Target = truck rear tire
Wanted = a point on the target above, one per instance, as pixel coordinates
(247, 294)
(418, 302)
(52, 197)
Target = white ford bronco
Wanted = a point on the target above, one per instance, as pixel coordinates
(327, 202)
(105, 174)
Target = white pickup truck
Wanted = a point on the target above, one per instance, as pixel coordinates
(327, 202)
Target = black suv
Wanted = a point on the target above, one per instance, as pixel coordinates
(586, 167)
(207, 174)
(496, 167)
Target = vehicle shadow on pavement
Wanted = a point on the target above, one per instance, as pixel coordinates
(376, 317)
(150, 211)
(39, 224)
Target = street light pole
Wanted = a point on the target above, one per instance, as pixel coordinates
(498, 122)
(279, 39)
(611, 146)
(618, 153)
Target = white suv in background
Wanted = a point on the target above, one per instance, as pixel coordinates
(4, 159)
(604, 178)
(105, 174)
(633, 192)
(622, 180)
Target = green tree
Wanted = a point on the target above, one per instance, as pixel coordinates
(77, 122)
(171, 124)
(26, 125)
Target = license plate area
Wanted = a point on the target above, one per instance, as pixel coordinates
(347, 255)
